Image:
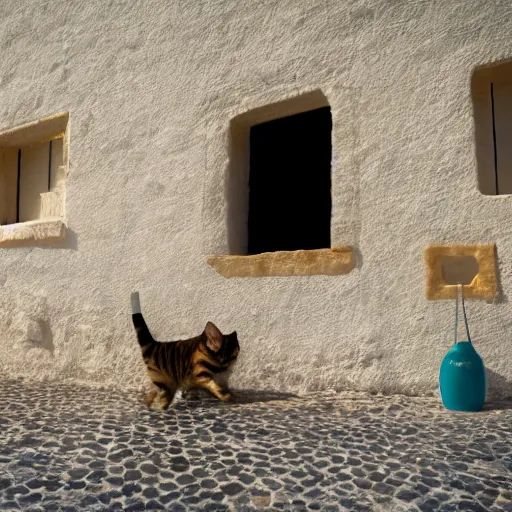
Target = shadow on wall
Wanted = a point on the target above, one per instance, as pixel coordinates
(358, 256)
(46, 336)
(70, 242)
(499, 389)
(501, 298)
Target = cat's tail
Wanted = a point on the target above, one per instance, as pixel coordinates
(143, 335)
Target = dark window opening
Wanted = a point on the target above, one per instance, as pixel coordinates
(290, 183)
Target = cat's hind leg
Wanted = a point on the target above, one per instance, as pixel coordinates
(160, 397)
(150, 397)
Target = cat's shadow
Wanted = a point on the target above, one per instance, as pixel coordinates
(250, 396)
(240, 397)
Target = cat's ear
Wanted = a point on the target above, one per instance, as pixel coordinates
(213, 337)
(234, 335)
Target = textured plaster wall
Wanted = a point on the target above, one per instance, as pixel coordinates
(151, 87)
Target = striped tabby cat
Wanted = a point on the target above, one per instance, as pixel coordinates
(184, 364)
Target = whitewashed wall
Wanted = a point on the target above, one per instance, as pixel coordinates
(151, 87)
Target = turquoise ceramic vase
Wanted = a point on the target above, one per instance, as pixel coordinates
(462, 379)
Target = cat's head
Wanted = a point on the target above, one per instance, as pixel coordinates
(224, 348)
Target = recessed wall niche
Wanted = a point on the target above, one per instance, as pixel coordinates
(473, 266)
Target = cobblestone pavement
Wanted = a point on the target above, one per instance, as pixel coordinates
(63, 448)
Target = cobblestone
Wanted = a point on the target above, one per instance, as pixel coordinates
(71, 448)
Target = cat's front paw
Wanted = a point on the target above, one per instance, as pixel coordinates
(227, 397)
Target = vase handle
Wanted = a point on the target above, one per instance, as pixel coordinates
(460, 297)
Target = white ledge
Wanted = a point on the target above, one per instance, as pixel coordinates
(23, 233)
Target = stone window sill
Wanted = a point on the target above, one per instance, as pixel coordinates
(329, 262)
(34, 231)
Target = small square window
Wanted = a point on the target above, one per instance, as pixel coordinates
(290, 183)
(33, 171)
(492, 101)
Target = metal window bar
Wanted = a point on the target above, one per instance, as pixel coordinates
(50, 165)
(18, 188)
(494, 142)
